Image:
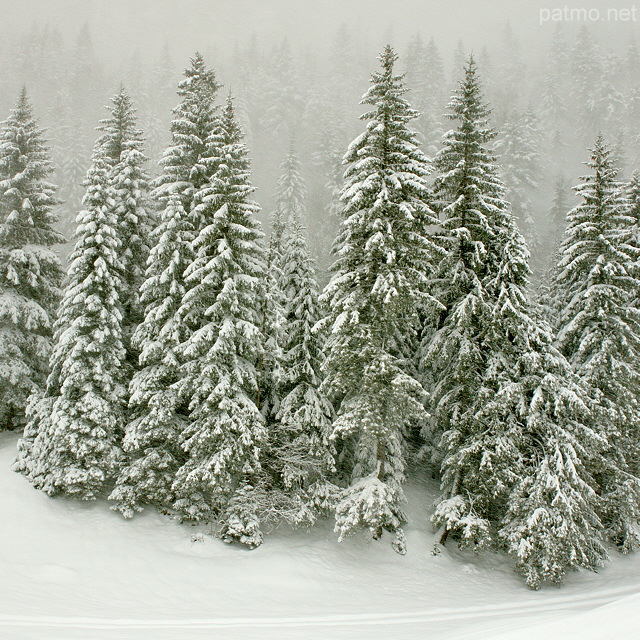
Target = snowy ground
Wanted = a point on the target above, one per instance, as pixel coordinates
(78, 570)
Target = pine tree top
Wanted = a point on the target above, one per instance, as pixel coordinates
(600, 225)
(186, 163)
(385, 200)
(198, 79)
(120, 130)
(26, 196)
(471, 193)
(468, 107)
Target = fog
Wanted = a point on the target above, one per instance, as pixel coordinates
(299, 68)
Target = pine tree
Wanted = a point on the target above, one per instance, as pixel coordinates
(152, 442)
(599, 331)
(226, 432)
(290, 192)
(633, 199)
(549, 303)
(558, 212)
(552, 522)
(120, 129)
(184, 166)
(30, 272)
(121, 145)
(515, 445)
(158, 412)
(633, 196)
(475, 224)
(76, 426)
(301, 451)
(381, 274)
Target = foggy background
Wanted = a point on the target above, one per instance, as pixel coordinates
(298, 69)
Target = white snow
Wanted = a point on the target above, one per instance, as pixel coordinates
(72, 570)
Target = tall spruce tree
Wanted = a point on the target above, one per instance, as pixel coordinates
(75, 428)
(185, 166)
(121, 145)
(158, 413)
(380, 279)
(226, 432)
(152, 442)
(597, 281)
(510, 420)
(560, 206)
(30, 272)
(475, 224)
(299, 447)
(120, 129)
(633, 196)
(290, 192)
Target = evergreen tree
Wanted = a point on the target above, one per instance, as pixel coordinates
(158, 413)
(184, 165)
(299, 443)
(558, 212)
(599, 331)
(633, 196)
(119, 130)
(509, 418)
(152, 437)
(551, 522)
(225, 281)
(290, 192)
(381, 275)
(121, 146)
(475, 224)
(30, 272)
(75, 427)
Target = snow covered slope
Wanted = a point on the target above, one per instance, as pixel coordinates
(78, 570)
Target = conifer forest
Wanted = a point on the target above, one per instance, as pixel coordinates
(254, 281)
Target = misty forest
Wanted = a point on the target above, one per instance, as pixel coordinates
(269, 284)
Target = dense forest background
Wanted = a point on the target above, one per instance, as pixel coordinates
(552, 88)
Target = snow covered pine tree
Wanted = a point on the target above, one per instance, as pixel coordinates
(299, 449)
(30, 272)
(71, 440)
(597, 284)
(158, 415)
(121, 144)
(509, 413)
(226, 431)
(384, 258)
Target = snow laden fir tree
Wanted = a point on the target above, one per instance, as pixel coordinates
(509, 424)
(300, 456)
(220, 357)
(383, 258)
(71, 440)
(158, 414)
(121, 143)
(30, 272)
(597, 285)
